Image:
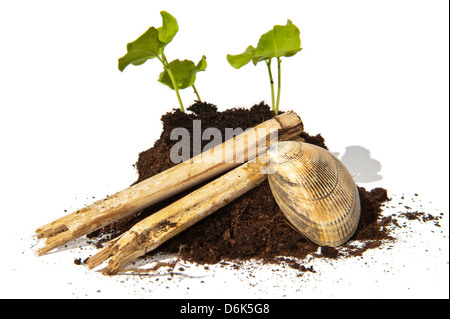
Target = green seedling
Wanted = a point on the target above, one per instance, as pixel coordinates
(177, 74)
(281, 41)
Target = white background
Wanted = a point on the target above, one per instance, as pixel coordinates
(372, 74)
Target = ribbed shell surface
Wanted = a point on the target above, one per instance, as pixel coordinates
(315, 191)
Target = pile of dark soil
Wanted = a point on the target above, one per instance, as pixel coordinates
(251, 226)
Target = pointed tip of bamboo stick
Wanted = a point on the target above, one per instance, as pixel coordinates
(108, 251)
(116, 253)
(108, 271)
(46, 249)
(41, 252)
(114, 265)
(100, 257)
(55, 241)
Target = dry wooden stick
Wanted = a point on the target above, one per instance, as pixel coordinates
(170, 182)
(151, 232)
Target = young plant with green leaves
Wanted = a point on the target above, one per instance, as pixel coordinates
(177, 74)
(281, 41)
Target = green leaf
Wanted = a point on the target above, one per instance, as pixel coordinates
(151, 43)
(168, 29)
(147, 46)
(190, 80)
(239, 60)
(184, 73)
(278, 42)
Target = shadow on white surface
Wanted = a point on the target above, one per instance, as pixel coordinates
(361, 165)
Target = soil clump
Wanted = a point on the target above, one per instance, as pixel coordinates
(252, 226)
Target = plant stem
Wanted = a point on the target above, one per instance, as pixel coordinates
(196, 93)
(279, 85)
(172, 78)
(175, 86)
(271, 85)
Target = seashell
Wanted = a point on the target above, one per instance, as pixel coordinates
(315, 191)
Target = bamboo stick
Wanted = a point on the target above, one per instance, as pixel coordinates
(170, 182)
(151, 232)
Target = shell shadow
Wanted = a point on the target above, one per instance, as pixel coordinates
(361, 165)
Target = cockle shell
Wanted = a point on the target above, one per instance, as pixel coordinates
(315, 191)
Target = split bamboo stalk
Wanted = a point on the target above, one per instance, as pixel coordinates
(159, 227)
(170, 182)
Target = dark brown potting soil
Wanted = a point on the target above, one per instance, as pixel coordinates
(251, 226)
